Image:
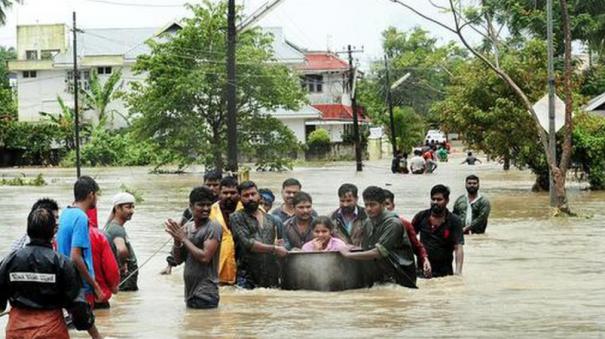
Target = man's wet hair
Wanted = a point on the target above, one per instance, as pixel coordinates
(323, 220)
(228, 181)
(291, 182)
(47, 203)
(444, 190)
(201, 193)
(469, 153)
(347, 188)
(388, 195)
(374, 193)
(301, 197)
(213, 175)
(246, 185)
(417, 152)
(41, 224)
(472, 177)
(84, 186)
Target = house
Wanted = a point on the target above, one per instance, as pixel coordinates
(596, 105)
(325, 76)
(44, 67)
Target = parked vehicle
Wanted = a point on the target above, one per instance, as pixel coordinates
(436, 135)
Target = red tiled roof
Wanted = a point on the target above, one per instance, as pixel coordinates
(323, 61)
(339, 112)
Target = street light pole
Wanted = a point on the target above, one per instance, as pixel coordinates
(551, 104)
(76, 89)
(359, 166)
(231, 94)
(390, 104)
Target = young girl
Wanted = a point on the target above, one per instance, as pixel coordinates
(323, 240)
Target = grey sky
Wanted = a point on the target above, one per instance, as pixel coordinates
(312, 24)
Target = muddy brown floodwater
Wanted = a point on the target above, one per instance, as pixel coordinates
(530, 275)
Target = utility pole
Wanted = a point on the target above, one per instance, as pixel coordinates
(231, 94)
(390, 104)
(76, 89)
(551, 104)
(354, 108)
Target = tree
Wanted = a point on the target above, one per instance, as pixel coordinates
(100, 94)
(482, 19)
(8, 102)
(4, 4)
(65, 123)
(182, 103)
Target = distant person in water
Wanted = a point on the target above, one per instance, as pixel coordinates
(470, 159)
(197, 244)
(323, 241)
(472, 208)
(417, 163)
(395, 162)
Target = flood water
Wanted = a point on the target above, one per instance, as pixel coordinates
(530, 275)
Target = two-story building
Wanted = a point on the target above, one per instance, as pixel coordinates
(326, 78)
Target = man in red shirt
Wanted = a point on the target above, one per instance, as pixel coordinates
(419, 250)
(107, 273)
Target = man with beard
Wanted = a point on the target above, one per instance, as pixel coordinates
(284, 212)
(197, 245)
(441, 234)
(298, 230)
(385, 242)
(256, 236)
(349, 218)
(472, 208)
(220, 212)
(123, 209)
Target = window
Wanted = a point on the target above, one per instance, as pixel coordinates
(104, 70)
(313, 83)
(83, 80)
(47, 54)
(30, 74)
(31, 55)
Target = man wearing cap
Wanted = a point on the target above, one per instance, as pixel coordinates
(123, 209)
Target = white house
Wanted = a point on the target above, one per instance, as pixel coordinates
(325, 76)
(45, 61)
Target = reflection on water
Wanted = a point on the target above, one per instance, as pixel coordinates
(530, 275)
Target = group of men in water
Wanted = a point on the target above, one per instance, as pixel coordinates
(228, 235)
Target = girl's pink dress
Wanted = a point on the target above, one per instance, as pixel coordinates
(334, 245)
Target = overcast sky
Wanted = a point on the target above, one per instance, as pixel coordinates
(312, 24)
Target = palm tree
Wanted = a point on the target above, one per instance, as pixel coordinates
(65, 122)
(99, 95)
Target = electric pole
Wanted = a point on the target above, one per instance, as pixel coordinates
(551, 104)
(231, 95)
(76, 89)
(390, 104)
(352, 74)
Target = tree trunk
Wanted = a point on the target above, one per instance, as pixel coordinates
(506, 166)
(559, 174)
(217, 153)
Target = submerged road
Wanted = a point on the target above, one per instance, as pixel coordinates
(530, 275)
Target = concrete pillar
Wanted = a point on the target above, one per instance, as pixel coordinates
(375, 148)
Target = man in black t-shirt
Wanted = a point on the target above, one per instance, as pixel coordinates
(441, 234)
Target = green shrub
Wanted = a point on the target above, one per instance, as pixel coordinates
(319, 141)
(589, 147)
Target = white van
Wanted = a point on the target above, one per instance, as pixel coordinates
(436, 135)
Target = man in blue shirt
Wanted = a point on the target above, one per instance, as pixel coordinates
(73, 239)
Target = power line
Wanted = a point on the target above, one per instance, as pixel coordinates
(132, 4)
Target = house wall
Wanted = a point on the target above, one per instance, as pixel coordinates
(40, 94)
(333, 91)
(295, 125)
(40, 37)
